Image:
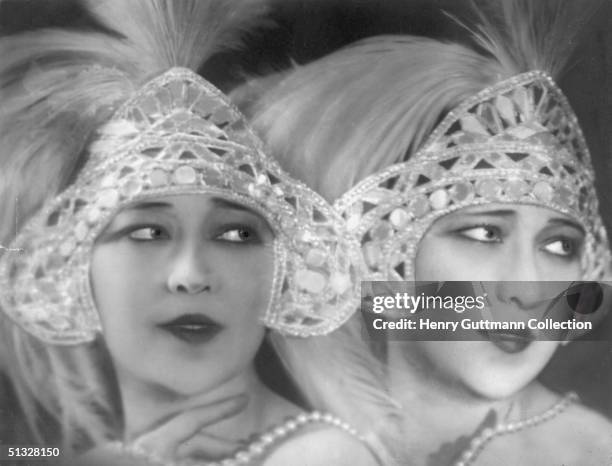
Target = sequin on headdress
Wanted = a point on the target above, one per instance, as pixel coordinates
(177, 134)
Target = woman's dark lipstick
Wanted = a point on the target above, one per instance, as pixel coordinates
(192, 328)
(509, 341)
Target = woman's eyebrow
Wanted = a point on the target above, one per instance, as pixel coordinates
(147, 205)
(566, 222)
(493, 213)
(222, 203)
(219, 202)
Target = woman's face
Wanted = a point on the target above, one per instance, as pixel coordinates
(499, 243)
(181, 283)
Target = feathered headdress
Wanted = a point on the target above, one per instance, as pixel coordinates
(57, 86)
(143, 124)
(516, 140)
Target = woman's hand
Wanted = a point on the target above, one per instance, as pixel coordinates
(183, 435)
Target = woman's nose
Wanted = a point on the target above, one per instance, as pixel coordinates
(189, 272)
(524, 295)
(521, 281)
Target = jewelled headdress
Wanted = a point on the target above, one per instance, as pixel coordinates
(176, 134)
(516, 141)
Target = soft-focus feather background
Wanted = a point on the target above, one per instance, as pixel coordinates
(308, 29)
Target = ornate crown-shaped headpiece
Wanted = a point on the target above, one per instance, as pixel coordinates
(176, 134)
(515, 142)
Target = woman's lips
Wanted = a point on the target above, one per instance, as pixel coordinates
(192, 328)
(509, 341)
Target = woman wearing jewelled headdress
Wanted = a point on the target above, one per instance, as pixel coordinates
(452, 163)
(156, 242)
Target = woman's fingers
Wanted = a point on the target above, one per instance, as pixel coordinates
(207, 448)
(163, 441)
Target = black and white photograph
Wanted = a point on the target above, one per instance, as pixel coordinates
(305, 232)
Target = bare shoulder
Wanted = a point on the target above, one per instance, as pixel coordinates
(587, 434)
(590, 424)
(322, 445)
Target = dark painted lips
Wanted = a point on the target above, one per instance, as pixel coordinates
(509, 341)
(192, 328)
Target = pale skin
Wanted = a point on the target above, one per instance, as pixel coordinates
(474, 379)
(192, 392)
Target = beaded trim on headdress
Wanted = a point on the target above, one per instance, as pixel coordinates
(177, 135)
(515, 142)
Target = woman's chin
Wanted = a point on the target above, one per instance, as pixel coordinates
(496, 390)
(497, 386)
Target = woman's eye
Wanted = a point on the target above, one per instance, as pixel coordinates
(238, 235)
(561, 247)
(484, 234)
(148, 234)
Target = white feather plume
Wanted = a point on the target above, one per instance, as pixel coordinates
(526, 35)
(167, 33)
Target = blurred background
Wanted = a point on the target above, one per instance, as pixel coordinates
(308, 29)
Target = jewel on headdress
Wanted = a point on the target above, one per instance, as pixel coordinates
(506, 108)
(80, 231)
(434, 171)
(184, 175)
(340, 282)
(316, 258)
(515, 189)
(108, 181)
(372, 254)
(353, 221)
(488, 188)
(522, 99)
(381, 231)
(461, 192)
(399, 218)
(307, 236)
(131, 188)
(108, 198)
(255, 190)
(158, 177)
(438, 199)
(93, 215)
(420, 206)
(310, 281)
(471, 124)
(543, 191)
(564, 196)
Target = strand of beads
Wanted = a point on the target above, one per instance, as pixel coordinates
(478, 444)
(263, 443)
(257, 448)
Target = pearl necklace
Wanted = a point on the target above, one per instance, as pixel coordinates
(256, 449)
(478, 444)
